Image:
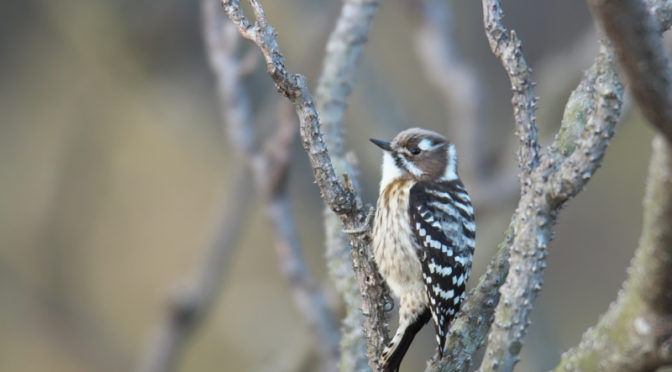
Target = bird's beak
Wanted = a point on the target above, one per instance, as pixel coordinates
(382, 144)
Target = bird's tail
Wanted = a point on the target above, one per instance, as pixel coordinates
(395, 352)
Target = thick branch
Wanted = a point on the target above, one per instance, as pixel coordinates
(341, 197)
(343, 52)
(561, 175)
(548, 182)
(590, 118)
(636, 37)
(531, 227)
(636, 332)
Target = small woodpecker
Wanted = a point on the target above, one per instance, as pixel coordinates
(423, 235)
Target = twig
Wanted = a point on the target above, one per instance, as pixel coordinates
(341, 197)
(638, 43)
(507, 47)
(343, 51)
(641, 317)
(269, 166)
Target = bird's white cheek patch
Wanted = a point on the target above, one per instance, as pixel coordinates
(390, 171)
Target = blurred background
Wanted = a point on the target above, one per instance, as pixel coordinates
(114, 168)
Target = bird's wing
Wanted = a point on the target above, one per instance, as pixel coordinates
(444, 230)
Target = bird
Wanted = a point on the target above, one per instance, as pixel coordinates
(423, 235)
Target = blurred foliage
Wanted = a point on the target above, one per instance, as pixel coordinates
(113, 169)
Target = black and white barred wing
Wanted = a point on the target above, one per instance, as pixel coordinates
(443, 223)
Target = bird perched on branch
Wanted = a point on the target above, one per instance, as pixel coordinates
(423, 235)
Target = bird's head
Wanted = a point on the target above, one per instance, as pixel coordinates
(418, 154)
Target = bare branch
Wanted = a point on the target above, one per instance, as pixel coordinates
(636, 37)
(269, 167)
(596, 101)
(507, 47)
(589, 121)
(584, 144)
(559, 177)
(341, 197)
(343, 51)
(642, 314)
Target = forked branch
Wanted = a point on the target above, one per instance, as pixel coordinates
(340, 196)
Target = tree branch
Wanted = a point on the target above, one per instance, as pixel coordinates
(341, 197)
(269, 166)
(635, 334)
(531, 227)
(343, 52)
(337, 195)
(589, 121)
(559, 177)
(586, 137)
(507, 47)
(638, 44)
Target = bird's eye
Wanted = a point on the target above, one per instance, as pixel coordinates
(415, 150)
